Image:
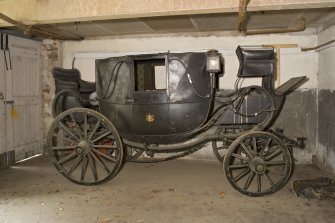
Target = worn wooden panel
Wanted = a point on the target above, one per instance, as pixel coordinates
(2, 107)
(24, 133)
(25, 83)
(26, 119)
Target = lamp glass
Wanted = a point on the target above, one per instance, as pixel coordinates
(213, 64)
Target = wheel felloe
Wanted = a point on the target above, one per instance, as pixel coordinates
(220, 147)
(258, 163)
(85, 147)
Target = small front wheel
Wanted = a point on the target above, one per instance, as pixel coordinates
(85, 147)
(258, 163)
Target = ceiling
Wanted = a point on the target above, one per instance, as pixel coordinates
(193, 23)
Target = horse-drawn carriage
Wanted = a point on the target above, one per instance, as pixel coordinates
(170, 103)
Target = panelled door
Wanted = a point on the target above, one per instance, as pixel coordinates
(23, 99)
(3, 158)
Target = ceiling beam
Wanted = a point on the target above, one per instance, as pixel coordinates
(32, 31)
(32, 12)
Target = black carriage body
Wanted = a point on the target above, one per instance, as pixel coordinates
(179, 107)
(156, 115)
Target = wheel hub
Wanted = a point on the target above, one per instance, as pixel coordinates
(258, 165)
(83, 147)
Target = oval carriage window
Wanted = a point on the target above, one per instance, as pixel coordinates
(150, 75)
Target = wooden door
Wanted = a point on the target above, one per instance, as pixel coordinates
(3, 160)
(24, 134)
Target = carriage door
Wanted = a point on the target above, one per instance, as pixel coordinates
(150, 96)
(3, 160)
(22, 101)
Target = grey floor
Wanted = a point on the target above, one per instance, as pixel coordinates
(174, 191)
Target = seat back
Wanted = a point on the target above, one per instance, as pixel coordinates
(255, 62)
(66, 79)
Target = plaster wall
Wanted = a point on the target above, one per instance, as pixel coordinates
(293, 63)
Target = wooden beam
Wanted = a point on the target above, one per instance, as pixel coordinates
(278, 47)
(51, 11)
(30, 30)
(242, 16)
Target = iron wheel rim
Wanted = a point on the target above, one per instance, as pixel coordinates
(85, 147)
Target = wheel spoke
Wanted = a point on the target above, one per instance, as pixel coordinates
(105, 156)
(246, 149)
(276, 172)
(254, 143)
(93, 167)
(65, 139)
(75, 123)
(239, 157)
(63, 126)
(269, 180)
(102, 136)
(249, 180)
(101, 163)
(273, 155)
(75, 165)
(272, 149)
(241, 175)
(269, 140)
(94, 129)
(85, 125)
(63, 147)
(67, 158)
(238, 166)
(105, 146)
(259, 186)
(84, 168)
(279, 162)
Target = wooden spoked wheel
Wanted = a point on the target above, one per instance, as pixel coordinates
(258, 163)
(85, 147)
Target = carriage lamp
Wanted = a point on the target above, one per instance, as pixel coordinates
(213, 61)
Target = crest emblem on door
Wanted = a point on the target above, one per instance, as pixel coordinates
(149, 117)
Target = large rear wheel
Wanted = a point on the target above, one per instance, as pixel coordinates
(85, 147)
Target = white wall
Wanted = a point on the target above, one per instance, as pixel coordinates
(293, 61)
(327, 60)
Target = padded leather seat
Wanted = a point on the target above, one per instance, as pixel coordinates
(255, 62)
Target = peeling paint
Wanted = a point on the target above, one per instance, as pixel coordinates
(298, 118)
(13, 114)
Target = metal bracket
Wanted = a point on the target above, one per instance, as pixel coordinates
(9, 102)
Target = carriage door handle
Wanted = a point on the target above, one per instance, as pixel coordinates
(1, 96)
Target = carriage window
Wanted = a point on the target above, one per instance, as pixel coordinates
(150, 75)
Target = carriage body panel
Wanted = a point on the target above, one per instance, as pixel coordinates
(143, 113)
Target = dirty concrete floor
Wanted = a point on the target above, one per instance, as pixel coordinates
(174, 191)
